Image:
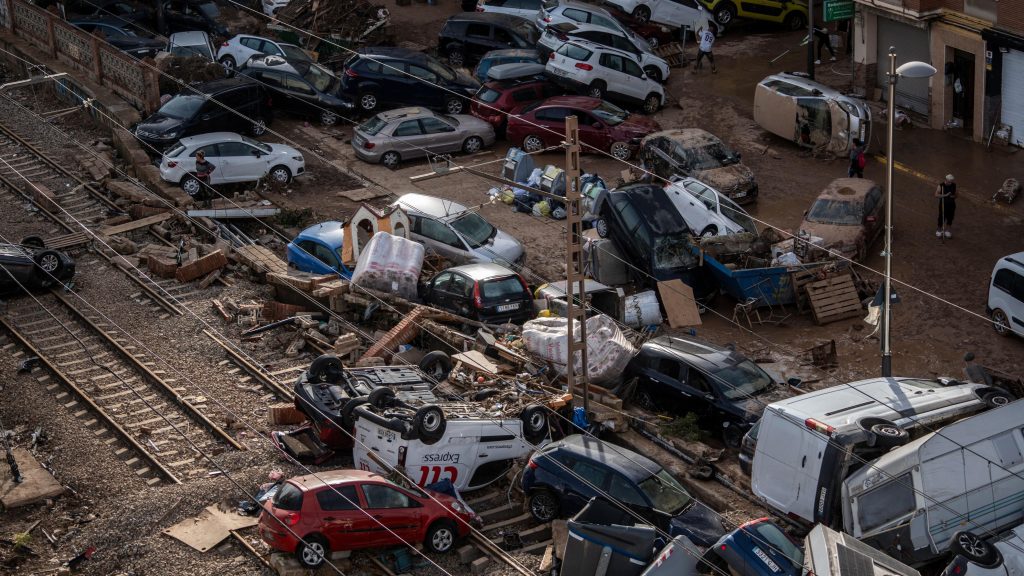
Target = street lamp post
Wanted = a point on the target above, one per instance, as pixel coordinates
(908, 70)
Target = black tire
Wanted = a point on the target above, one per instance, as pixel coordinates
(346, 412)
(258, 126)
(997, 399)
(454, 105)
(368, 101)
(1000, 322)
(429, 424)
(437, 365)
(193, 186)
(975, 549)
(441, 536)
(711, 230)
(280, 174)
(596, 89)
(601, 225)
(535, 423)
(229, 65)
(642, 14)
(653, 73)
(33, 241)
(795, 21)
(533, 143)
(887, 434)
(543, 505)
(50, 264)
(652, 103)
(456, 56)
(381, 397)
(312, 551)
(323, 367)
(484, 394)
(725, 13)
(391, 160)
(644, 399)
(732, 436)
(473, 144)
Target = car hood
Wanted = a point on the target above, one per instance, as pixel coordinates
(466, 81)
(472, 124)
(637, 126)
(699, 524)
(504, 247)
(727, 179)
(160, 123)
(754, 406)
(283, 150)
(834, 235)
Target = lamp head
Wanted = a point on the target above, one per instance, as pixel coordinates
(915, 69)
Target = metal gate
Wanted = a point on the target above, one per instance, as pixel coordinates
(1012, 112)
(911, 43)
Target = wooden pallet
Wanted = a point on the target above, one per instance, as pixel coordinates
(672, 54)
(833, 299)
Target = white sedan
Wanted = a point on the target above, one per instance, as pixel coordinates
(706, 211)
(235, 158)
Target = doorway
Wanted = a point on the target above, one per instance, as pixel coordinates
(962, 84)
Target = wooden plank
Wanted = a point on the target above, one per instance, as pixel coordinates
(834, 299)
(477, 361)
(680, 305)
(135, 224)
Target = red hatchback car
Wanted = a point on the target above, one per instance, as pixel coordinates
(354, 509)
(602, 124)
(496, 98)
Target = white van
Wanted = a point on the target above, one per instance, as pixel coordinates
(1006, 295)
(966, 476)
(807, 445)
(837, 554)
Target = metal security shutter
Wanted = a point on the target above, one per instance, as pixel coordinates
(911, 44)
(1013, 95)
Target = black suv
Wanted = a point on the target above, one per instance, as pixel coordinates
(231, 105)
(467, 37)
(30, 265)
(643, 222)
(726, 390)
(395, 77)
(188, 15)
(299, 87)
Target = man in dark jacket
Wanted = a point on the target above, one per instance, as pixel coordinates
(203, 170)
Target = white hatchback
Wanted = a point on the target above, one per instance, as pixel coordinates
(238, 50)
(235, 158)
(706, 211)
(598, 71)
(675, 13)
(557, 34)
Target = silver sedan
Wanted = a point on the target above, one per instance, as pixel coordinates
(390, 137)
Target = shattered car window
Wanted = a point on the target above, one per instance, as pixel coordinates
(665, 493)
(826, 211)
(708, 157)
(672, 252)
(742, 380)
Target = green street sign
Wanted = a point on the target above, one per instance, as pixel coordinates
(838, 10)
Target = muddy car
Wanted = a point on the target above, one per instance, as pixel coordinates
(847, 216)
(699, 154)
(29, 265)
(811, 114)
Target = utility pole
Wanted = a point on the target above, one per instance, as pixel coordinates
(810, 38)
(574, 278)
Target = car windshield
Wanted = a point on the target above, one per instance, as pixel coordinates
(502, 288)
(742, 380)
(264, 147)
(182, 106)
(201, 50)
(320, 78)
(372, 126)
(671, 252)
(666, 493)
(294, 53)
(474, 229)
(737, 215)
(828, 211)
(449, 119)
(768, 535)
(441, 70)
(488, 95)
(610, 113)
(710, 156)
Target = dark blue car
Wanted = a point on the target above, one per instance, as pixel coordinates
(757, 548)
(317, 250)
(553, 481)
(382, 78)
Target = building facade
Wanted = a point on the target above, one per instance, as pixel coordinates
(977, 46)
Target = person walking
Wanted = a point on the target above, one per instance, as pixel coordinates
(203, 170)
(946, 193)
(707, 40)
(824, 41)
(857, 159)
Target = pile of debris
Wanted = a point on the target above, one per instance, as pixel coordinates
(185, 69)
(350, 23)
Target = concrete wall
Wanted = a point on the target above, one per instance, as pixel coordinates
(944, 39)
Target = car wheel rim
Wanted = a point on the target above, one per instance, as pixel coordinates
(999, 400)
(442, 539)
(454, 106)
(192, 187)
(473, 145)
(888, 431)
(48, 263)
(602, 228)
(999, 322)
(228, 65)
(594, 93)
(313, 553)
(328, 119)
(536, 422)
(543, 507)
(455, 58)
(280, 175)
(368, 101)
(259, 127)
(972, 545)
(532, 144)
(651, 106)
(724, 16)
(431, 422)
(390, 160)
(645, 401)
(620, 150)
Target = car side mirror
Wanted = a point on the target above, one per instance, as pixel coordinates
(257, 153)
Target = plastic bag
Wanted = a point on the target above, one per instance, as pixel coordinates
(390, 264)
(608, 350)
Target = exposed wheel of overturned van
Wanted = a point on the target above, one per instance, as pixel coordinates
(323, 367)
(381, 397)
(440, 536)
(887, 434)
(346, 412)
(732, 436)
(429, 424)
(437, 365)
(997, 399)
(711, 230)
(535, 423)
(543, 506)
(974, 548)
(642, 14)
(312, 551)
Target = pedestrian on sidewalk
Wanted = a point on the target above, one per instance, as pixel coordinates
(707, 40)
(858, 160)
(824, 41)
(946, 193)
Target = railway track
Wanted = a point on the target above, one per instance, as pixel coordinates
(77, 206)
(507, 528)
(116, 391)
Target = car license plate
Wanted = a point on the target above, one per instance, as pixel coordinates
(767, 561)
(559, 71)
(508, 307)
(739, 195)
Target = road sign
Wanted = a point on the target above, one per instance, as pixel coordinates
(838, 10)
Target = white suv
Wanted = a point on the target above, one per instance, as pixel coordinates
(1006, 295)
(238, 50)
(675, 13)
(707, 211)
(601, 72)
(557, 34)
(235, 159)
(464, 442)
